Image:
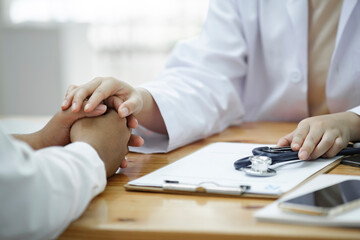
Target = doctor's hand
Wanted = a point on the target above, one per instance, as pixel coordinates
(121, 96)
(323, 136)
(57, 131)
(108, 135)
(129, 99)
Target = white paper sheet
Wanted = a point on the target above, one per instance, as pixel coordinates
(214, 163)
(273, 213)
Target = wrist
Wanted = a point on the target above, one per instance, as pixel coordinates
(33, 139)
(143, 95)
(150, 117)
(146, 102)
(354, 124)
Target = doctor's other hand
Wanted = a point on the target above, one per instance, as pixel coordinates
(108, 135)
(323, 136)
(129, 99)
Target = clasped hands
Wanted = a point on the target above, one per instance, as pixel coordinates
(108, 133)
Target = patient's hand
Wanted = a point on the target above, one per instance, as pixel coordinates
(108, 134)
(57, 130)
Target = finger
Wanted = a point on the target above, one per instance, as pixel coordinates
(132, 122)
(83, 92)
(324, 145)
(68, 97)
(100, 93)
(70, 89)
(70, 117)
(114, 102)
(135, 141)
(286, 140)
(78, 99)
(299, 136)
(99, 110)
(338, 145)
(311, 141)
(124, 163)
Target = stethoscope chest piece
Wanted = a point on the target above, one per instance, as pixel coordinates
(259, 167)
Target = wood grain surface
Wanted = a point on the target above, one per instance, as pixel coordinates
(120, 214)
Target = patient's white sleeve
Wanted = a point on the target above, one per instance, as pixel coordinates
(41, 192)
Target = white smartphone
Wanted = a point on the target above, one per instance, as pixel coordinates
(331, 200)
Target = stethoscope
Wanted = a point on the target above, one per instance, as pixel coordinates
(259, 164)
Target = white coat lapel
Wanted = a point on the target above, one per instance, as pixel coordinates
(298, 14)
(347, 8)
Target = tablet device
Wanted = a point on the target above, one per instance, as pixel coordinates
(331, 200)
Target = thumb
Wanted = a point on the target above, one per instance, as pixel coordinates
(124, 109)
(133, 105)
(114, 102)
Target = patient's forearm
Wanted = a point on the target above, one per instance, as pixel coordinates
(33, 139)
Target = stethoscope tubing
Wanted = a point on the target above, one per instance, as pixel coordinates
(278, 157)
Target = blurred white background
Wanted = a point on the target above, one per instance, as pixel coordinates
(46, 45)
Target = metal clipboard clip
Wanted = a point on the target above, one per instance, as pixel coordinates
(259, 164)
(204, 187)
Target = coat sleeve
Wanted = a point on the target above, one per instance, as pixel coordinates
(355, 110)
(199, 91)
(41, 192)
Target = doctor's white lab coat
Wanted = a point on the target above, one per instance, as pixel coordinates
(250, 64)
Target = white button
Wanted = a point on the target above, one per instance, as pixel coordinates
(295, 76)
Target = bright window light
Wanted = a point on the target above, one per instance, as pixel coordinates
(104, 11)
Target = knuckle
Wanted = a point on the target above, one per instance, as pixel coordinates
(70, 89)
(298, 137)
(327, 142)
(111, 79)
(300, 133)
(337, 132)
(310, 140)
(99, 93)
(72, 86)
(304, 122)
(319, 126)
(97, 79)
(307, 147)
(339, 143)
(80, 94)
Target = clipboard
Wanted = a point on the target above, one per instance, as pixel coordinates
(209, 171)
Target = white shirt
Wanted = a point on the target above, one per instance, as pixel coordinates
(250, 64)
(42, 191)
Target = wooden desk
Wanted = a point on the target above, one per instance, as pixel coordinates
(118, 214)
